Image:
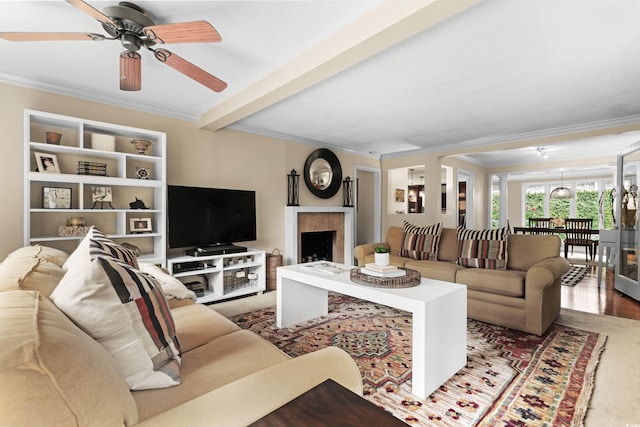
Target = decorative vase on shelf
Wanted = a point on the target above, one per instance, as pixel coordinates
(381, 256)
(53, 138)
(142, 145)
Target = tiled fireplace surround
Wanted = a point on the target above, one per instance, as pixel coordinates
(302, 219)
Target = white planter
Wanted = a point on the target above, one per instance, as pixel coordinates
(382, 259)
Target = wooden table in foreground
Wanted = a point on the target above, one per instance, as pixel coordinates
(439, 313)
(328, 405)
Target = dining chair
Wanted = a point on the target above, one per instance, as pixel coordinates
(575, 230)
(540, 223)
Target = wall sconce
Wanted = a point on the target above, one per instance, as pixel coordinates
(347, 192)
(293, 181)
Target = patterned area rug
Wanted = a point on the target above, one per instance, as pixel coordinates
(511, 378)
(574, 275)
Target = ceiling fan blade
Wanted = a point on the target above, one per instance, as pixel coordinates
(130, 71)
(183, 32)
(38, 37)
(190, 70)
(94, 13)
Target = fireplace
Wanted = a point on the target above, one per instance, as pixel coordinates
(317, 246)
(315, 219)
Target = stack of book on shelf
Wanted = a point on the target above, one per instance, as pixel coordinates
(382, 271)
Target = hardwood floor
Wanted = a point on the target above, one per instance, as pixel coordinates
(604, 299)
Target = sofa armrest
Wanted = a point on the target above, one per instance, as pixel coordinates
(250, 398)
(361, 251)
(544, 273)
(542, 293)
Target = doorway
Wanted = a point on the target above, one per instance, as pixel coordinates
(465, 199)
(368, 204)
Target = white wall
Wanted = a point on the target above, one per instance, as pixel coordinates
(226, 159)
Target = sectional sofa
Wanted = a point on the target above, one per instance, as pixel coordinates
(63, 372)
(513, 280)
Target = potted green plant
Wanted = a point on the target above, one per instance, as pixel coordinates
(381, 256)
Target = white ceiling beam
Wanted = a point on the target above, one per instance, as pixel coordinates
(384, 26)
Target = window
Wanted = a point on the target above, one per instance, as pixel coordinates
(536, 196)
(591, 198)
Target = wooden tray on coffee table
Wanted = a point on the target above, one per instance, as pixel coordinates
(411, 279)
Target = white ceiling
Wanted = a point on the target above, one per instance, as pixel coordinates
(499, 70)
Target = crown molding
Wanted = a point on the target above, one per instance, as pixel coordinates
(103, 99)
(287, 137)
(545, 133)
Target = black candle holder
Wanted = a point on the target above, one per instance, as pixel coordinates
(293, 181)
(347, 192)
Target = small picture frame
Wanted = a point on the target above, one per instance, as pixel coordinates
(140, 225)
(399, 195)
(101, 194)
(56, 198)
(47, 162)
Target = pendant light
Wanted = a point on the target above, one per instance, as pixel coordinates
(561, 192)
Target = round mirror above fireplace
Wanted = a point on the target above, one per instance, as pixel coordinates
(322, 173)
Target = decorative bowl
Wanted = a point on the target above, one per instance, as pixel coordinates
(53, 138)
(142, 145)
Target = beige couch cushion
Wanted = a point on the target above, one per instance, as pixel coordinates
(58, 375)
(263, 391)
(500, 282)
(171, 287)
(437, 270)
(525, 250)
(210, 366)
(395, 235)
(35, 268)
(448, 249)
(197, 324)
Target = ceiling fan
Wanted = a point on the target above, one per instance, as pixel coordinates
(130, 24)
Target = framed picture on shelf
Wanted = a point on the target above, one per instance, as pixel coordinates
(101, 195)
(56, 198)
(47, 162)
(140, 225)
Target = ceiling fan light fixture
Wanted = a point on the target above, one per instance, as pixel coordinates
(130, 71)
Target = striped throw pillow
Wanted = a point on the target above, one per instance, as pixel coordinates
(96, 244)
(420, 242)
(483, 248)
(126, 312)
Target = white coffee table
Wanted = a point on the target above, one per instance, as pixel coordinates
(439, 311)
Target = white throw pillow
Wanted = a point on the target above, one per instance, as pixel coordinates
(96, 243)
(126, 312)
(172, 287)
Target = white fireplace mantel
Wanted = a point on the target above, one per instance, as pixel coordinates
(291, 230)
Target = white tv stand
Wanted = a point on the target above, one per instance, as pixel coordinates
(225, 276)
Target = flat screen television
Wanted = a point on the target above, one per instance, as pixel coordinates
(200, 217)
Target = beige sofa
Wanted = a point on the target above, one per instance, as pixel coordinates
(54, 374)
(524, 296)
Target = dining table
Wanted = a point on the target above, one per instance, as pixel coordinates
(551, 230)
